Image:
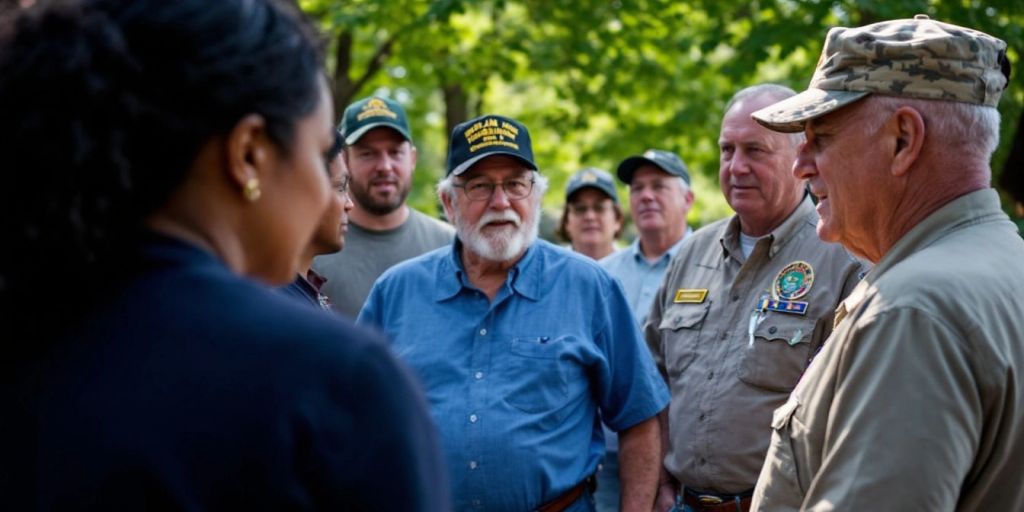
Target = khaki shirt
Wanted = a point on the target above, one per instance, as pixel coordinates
(917, 400)
(724, 388)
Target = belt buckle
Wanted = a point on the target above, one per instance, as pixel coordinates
(706, 499)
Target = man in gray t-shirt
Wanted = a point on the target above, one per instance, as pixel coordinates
(382, 229)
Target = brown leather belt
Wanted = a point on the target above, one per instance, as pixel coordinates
(568, 497)
(711, 503)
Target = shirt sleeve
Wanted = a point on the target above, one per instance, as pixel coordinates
(370, 314)
(905, 419)
(632, 391)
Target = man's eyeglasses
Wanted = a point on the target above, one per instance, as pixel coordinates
(481, 189)
(581, 209)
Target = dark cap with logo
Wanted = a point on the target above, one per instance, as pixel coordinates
(373, 112)
(592, 177)
(913, 58)
(664, 160)
(488, 135)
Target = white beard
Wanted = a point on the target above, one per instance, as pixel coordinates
(498, 245)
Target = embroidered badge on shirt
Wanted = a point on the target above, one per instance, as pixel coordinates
(793, 282)
(690, 295)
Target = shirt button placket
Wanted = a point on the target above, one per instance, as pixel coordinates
(481, 348)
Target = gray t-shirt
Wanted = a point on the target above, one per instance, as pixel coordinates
(351, 273)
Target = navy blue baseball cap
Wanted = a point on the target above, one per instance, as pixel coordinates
(373, 112)
(592, 177)
(485, 136)
(664, 160)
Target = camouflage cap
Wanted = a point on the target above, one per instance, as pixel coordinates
(915, 58)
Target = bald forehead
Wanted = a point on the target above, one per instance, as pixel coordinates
(739, 127)
(749, 104)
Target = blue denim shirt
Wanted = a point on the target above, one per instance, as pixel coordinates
(515, 384)
(639, 279)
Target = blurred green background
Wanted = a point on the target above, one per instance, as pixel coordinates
(597, 81)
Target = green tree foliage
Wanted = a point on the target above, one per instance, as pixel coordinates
(596, 81)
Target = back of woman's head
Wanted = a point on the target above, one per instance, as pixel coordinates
(106, 104)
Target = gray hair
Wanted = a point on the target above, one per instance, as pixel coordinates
(685, 187)
(446, 186)
(773, 92)
(953, 126)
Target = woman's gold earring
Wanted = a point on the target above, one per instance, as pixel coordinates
(252, 190)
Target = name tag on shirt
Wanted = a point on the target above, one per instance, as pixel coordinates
(690, 295)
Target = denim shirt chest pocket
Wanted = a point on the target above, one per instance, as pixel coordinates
(542, 372)
(778, 355)
(680, 332)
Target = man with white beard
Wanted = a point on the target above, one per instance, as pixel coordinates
(520, 344)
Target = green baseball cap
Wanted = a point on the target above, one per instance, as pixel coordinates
(913, 58)
(373, 112)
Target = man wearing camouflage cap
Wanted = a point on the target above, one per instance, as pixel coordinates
(915, 402)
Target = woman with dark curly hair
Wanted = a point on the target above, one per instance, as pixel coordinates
(164, 162)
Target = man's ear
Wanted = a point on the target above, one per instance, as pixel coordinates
(413, 154)
(908, 128)
(446, 202)
(248, 151)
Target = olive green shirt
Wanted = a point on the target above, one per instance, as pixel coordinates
(917, 400)
(725, 387)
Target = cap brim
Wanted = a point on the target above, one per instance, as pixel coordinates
(354, 137)
(465, 166)
(630, 165)
(580, 186)
(790, 114)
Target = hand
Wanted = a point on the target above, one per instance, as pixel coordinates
(666, 497)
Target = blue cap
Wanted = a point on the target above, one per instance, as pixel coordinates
(485, 136)
(664, 160)
(592, 177)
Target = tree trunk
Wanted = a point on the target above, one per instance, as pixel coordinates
(346, 89)
(456, 106)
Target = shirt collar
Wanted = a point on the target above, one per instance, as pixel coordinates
(779, 237)
(965, 210)
(315, 279)
(525, 276)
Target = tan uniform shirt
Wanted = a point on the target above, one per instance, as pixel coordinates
(917, 400)
(724, 387)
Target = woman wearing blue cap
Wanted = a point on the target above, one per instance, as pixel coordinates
(592, 218)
